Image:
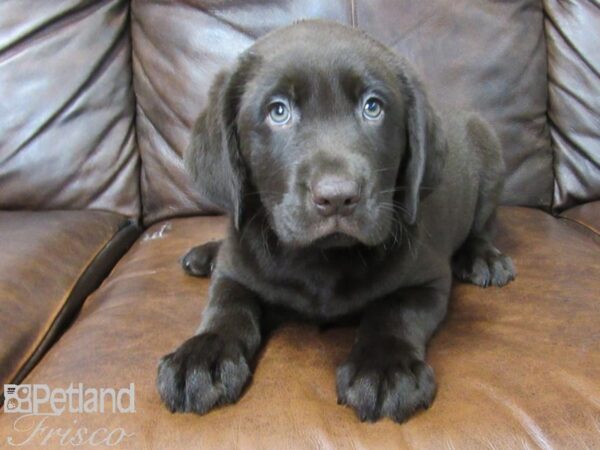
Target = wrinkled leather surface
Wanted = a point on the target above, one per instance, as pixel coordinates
(573, 36)
(66, 106)
(44, 254)
(517, 367)
(587, 215)
(487, 56)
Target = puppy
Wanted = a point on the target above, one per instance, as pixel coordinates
(349, 196)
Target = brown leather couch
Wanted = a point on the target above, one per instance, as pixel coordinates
(96, 103)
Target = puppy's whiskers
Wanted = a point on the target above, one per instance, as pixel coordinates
(404, 188)
(264, 229)
(400, 231)
(247, 226)
(283, 167)
(259, 193)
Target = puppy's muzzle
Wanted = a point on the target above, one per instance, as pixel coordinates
(335, 195)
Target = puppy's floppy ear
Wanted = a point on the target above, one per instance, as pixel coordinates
(213, 156)
(424, 158)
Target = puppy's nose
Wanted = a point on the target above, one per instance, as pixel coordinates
(335, 195)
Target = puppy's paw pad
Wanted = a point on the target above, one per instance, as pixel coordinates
(393, 385)
(204, 372)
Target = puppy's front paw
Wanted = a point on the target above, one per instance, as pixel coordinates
(205, 371)
(483, 266)
(385, 379)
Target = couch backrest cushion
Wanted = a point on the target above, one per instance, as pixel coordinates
(475, 54)
(67, 137)
(573, 36)
(484, 56)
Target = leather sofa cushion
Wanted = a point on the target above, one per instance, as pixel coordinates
(50, 261)
(517, 366)
(573, 36)
(479, 55)
(66, 109)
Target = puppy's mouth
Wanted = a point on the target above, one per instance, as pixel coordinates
(335, 232)
(336, 240)
(296, 227)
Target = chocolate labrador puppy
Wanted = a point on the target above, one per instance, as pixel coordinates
(349, 196)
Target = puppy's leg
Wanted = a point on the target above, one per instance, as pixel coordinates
(386, 373)
(478, 261)
(199, 261)
(212, 368)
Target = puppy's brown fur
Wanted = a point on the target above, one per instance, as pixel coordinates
(422, 188)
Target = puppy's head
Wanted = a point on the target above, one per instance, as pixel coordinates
(326, 129)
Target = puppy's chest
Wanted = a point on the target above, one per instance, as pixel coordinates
(323, 295)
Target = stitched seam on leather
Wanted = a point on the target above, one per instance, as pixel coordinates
(546, 20)
(354, 14)
(134, 114)
(580, 224)
(59, 313)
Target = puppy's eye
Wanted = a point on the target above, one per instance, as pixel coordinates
(372, 109)
(279, 113)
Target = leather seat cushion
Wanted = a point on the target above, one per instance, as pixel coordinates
(49, 263)
(516, 366)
